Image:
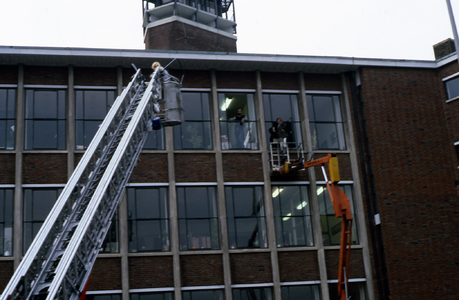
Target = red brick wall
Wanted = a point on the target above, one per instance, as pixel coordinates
(43, 168)
(150, 272)
(45, 75)
(8, 74)
(236, 80)
(250, 268)
(7, 168)
(298, 266)
(150, 168)
(96, 76)
(105, 275)
(195, 168)
(195, 79)
(322, 82)
(242, 167)
(414, 180)
(280, 81)
(6, 272)
(356, 268)
(201, 270)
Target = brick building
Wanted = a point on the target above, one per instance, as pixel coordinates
(203, 217)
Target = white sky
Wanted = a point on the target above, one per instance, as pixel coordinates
(400, 29)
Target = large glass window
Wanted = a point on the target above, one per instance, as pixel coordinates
(148, 215)
(7, 118)
(203, 295)
(196, 131)
(326, 122)
(292, 216)
(45, 115)
(37, 205)
(198, 218)
(91, 107)
(6, 221)
(265, 293)
(452, 87)
(103, 297)
(285, 107)
(331, 225)
(302, 292)
(356, 291)
(246, 217)
(111, 244)
(238, 126)
(152, 296)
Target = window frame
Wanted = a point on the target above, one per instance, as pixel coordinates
(10, 118)
(6, 221)
(450, 79)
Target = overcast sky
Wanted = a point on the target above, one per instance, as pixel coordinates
(400, 29)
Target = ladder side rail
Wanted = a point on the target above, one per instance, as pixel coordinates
(113, 182)
(32, 262)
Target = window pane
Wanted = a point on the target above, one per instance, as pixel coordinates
(7, 118)
(148, 219)
(103, 297)
(356, 291)
(6, 221)
(203, 295)
(323, 109)
(152, 296)
(253, 294)
(301, 292)
(452, 87)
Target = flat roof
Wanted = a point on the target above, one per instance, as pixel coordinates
(92, 57)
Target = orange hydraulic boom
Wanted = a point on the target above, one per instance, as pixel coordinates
(342, 208)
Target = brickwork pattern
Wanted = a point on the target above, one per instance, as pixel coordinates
(322, 82)
(250, 268)
(356, 264)
(6, 272)
(105, 275)
(8, 74)
(195, 168)
(96, 76)
(150, 272)
(7, 168)
(236, 80)
(242, 167)
(201, 270)
(298, 266)
(45, 75)
(42, 168)
(150, 168)
(280, 81)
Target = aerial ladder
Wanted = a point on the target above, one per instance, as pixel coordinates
(341, 206)
(59, 261)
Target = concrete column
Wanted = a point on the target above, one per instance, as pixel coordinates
(70, 123)
(359, 211)
(19, 131)
(124, 246)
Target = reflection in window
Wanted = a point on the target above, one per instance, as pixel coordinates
(326, 122)
(195, 132)
(155, 140)
(37, 205)
(198, 218)
(356, 291)
(91, 107)
(7, 118)
(331, 225)
(452, 88)
(148, 217)
(103, 297)
(253, 294)
(151, 296)
(111, 244)
(45, 114)
(292, 216)
(237, 134)
(6, 222)
(283, 106)
(246, 217)
(203, 295)
(301, 292)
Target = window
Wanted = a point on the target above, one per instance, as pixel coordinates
(37, 205)
(91, 107)
(452, 87)
(356, 291)
(103, 297)
(326, 122)
(253, 294)
(246, 217)
(148, 219)
(292, 216)
(283, 106)
(110, 244)
(203, 295)
(237, 134)
(198, 218)
(456, 145)
(45, 114)
(301, 292)
(7, 118)
(152, 296)
(6, 221)
(155, 140)
(196, 130)
(331, 225)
